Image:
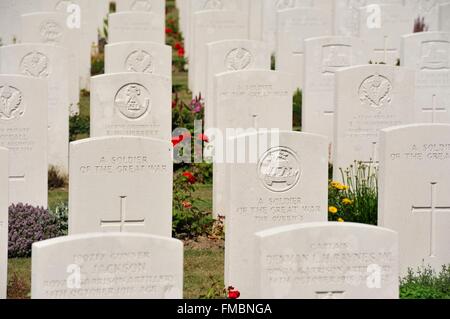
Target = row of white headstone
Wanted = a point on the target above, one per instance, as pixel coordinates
(284, 25)
(278, 243)
(114, 181)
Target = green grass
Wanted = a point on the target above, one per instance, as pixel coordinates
(203, 269)
(56, 197)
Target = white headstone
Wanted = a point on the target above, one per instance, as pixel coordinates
(46, 62)
(82, 14)
(428, 10)
(156, 6)
(121, 184)
(136, 26)
(294, 26)
(23, 130)
(429, 54)
(51, 28)
(444, 17)
(278, 184)
(323, 57)
(383, 34)
(270, 9)
(229, 56)
(4, 200)
(414, 182)
(141, 57)
(107, 266)
(247, 100)
(327, 261)
(10, 12)
(368, 99)
(132, 104)
(211, 26)
(347, 14)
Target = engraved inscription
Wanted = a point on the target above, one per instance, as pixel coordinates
(139, 61)
(35, 64)
(51, 32)
(133, 100)
(141, 5)
(336, 262)
(122, 164)
(335, 57)
(121, 273)
(279, 169)
(435, 55)
(11, 103)
(238, 59)
(375, 91)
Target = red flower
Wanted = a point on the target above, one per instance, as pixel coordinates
(233, 293)
(180, 138)
(178, 46)
(203, 138)
(186, 204)
(169, 30)
(174, 104)
(181, 52)
(177, 140)
(190, 177)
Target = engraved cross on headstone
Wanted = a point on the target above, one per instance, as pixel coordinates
(329, 294)
(434, 109)
(385, 50)
(123, 220)
(374, 157)
(432, 210)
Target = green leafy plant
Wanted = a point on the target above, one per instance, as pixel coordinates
(61, 216)
(189, 221)
(425, 283)
(79, 127)
(356, 200)
(297, 106)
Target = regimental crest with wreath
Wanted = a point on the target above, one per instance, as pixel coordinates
(35, 64)
(141, 5)
(279, 169)
(375, 91)
(238, 59)
(213, 5)
(51, 31)
(11, 103)
(133, 101)
(139, 61)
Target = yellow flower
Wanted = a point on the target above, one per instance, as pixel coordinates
(340, 220)
(332, 210)
(347, 201)
(335, 185)
(345, 187)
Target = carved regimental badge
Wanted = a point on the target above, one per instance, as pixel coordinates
(279, 169)
(62, 5)
(285, 4)
(133, 100)
(51, 32)
(435, 55)
(35, 64)
(11, 103)
(141, 5)
(139, 61)
(238, 59)
(213, 5)
(375, 91)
